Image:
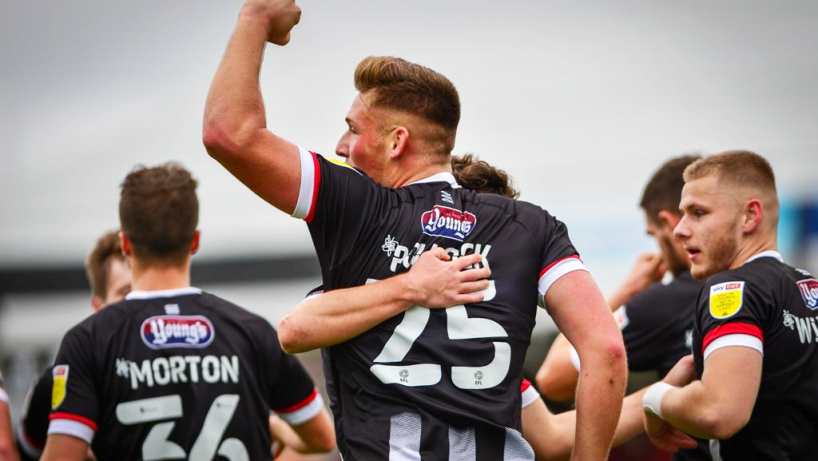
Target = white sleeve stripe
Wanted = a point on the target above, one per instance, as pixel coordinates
(558, 270)
(72, 428)
(734, 340)
(572, 352)
(530, 395)
(305, 413)
(305, 192)
(28, 448)
(3, 396)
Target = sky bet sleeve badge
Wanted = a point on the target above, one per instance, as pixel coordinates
(60, 374)
(726, 299)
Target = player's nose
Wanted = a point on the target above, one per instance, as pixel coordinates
(342, 148)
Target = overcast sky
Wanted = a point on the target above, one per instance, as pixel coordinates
(579, 101)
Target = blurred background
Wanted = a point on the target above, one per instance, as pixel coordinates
(580, 102)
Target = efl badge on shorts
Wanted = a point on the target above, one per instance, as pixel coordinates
(726, 299)
(809, 291)
(60, 374)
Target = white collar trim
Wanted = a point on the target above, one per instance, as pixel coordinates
(163, 293)
(766, 254)
(439, 177)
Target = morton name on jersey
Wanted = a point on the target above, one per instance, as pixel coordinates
(176, 374)
(431, 384)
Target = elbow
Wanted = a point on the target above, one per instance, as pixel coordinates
(325, 443)
(555, 390)
(721, 424)
(7, 451)
(217, 141)
(288, 336)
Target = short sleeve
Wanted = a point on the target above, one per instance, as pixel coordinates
(335, 200)
(292, 393)
(731, 312)
(74, 397)
(559, 257)
(528, 393)
(33, 430)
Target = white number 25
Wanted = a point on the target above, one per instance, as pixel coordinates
(157, 446)
(458, 326)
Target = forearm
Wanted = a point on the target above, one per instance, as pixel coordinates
(630, 420)
(693, 410)
(8, 452)
(234, 111)
(600, 392)
(339, 315)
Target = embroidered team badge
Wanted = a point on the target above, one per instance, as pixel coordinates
(60, 375)
(165, 331)
(726, 299)
(447, 222)
(809, 291)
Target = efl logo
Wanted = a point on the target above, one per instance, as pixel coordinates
(165, 331)
(809, 291)
(447, 222)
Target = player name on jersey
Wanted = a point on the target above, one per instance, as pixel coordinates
(404, 257)
(162, 371)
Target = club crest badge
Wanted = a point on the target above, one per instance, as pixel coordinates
(809, 291)
(726, 299)
(60, 378)
(447, 222)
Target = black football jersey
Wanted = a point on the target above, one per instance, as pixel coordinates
(33, 427)
(440, 384)
(176, 374)
(772, 307)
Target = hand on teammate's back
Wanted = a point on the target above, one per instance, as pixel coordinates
(437, 281)
(280, 17)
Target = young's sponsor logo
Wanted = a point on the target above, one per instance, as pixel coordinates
(726, 299)
(60, 378)
(165, 331)
(809, 291)
(447, 222)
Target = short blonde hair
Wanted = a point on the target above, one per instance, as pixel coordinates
(741, 169)
(403, 86)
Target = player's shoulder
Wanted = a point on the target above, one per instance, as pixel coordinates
(220, 308)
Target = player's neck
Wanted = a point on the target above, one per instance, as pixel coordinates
(153, 278)
(406, 176)
(752, 247)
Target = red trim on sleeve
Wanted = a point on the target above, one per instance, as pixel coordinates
(300, 404)
(525, 385)
(32, 442)
(548, 267)
(315, 185)
(732, 329)
(73, 417)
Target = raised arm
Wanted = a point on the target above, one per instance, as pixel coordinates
(235, 127)
(716, 407)
(579, 310)
(336, 316)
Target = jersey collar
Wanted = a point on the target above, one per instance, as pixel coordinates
(766, 254)
(444, 176)
(163, 293)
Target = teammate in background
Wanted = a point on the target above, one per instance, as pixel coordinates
(7, 450)
(110, 278)
(753, 336)
(402, 387)
(173, 372)
(656, 319)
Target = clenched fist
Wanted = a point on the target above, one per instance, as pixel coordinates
(280, 16)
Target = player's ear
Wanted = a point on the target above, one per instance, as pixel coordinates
(668, 220)
(398, 139)
(752, 215)
(194, 244)
(125, 243)
(96, 303)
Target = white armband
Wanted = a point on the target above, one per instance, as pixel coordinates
(652, 400)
